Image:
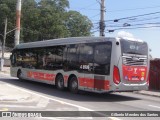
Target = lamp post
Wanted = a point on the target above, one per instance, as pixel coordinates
(3, 43)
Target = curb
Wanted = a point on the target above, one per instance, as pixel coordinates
(148, 94)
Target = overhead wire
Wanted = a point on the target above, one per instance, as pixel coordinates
(141, 15)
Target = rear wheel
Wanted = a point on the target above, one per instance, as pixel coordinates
(60, 82)
(73, 85)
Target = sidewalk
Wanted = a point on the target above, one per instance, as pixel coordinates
(9, 94)
(6, 70)
(149, 93)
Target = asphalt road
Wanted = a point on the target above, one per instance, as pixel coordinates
(45, 97)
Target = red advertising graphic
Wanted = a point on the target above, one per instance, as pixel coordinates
(134, 73)
(40, 75)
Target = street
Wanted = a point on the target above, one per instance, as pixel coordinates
(33, 96)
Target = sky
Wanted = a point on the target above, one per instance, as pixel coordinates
(144, 19)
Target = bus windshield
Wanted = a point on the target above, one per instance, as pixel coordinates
(134, 47)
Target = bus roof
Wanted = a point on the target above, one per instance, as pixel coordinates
(62, 41)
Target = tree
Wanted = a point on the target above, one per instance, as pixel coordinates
(78, 25)
(7, 10)
(42, 20)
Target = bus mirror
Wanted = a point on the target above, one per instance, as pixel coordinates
(117, 43)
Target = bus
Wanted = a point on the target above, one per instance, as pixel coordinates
(94, 64)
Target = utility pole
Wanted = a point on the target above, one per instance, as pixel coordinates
(102, 22)
(3, 44)
(18, 18)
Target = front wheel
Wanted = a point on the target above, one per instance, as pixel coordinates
(19, 74)
(73, 85)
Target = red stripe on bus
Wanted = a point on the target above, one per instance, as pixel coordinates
(41, 76)
(94, 83)
(84, 82)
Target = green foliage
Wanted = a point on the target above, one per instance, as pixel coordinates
(77, 24)
(7, 9)
(46, 19)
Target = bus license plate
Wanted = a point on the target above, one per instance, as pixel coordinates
(135, 78)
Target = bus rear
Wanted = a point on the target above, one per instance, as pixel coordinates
(130, 66)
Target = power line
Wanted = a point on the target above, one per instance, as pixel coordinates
(142, 20)
(95, 15)
(154, 26)
(130, 25)
(117, 20)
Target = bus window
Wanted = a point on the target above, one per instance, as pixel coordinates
(50, 58)
(86, 57)
(13, 59)
(59, 57)
(134, 47)
(72, 57)
(40, 58)
(102, 58)
(26, 58)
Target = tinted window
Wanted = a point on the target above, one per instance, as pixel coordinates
(13, 58)
(72, 57)
(41, 58)
(102, 58)
(86, 55)
(26, 58)
(134, 47)
(50, 58)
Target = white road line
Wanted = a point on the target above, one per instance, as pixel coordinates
(42, 103)
(59, 101)
(17, 106)
(31, 92)
(67, 118)
(154, 106)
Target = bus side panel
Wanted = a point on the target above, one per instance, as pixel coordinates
(13, 71)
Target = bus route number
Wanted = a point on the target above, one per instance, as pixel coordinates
(84, 67)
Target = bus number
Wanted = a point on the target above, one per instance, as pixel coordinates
(85, 67)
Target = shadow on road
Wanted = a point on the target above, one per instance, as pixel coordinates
(82, 96)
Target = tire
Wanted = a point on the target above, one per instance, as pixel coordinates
(73, 85)
(19, 75)
(60, 82)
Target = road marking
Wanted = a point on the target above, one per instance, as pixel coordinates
(18, 106)
(4, 109)
(43, 103)
(154, 106)
(59, 101)
(67, 118)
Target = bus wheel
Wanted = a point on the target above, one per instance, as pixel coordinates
(19, 74)
(60, 82)
(73, 85)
